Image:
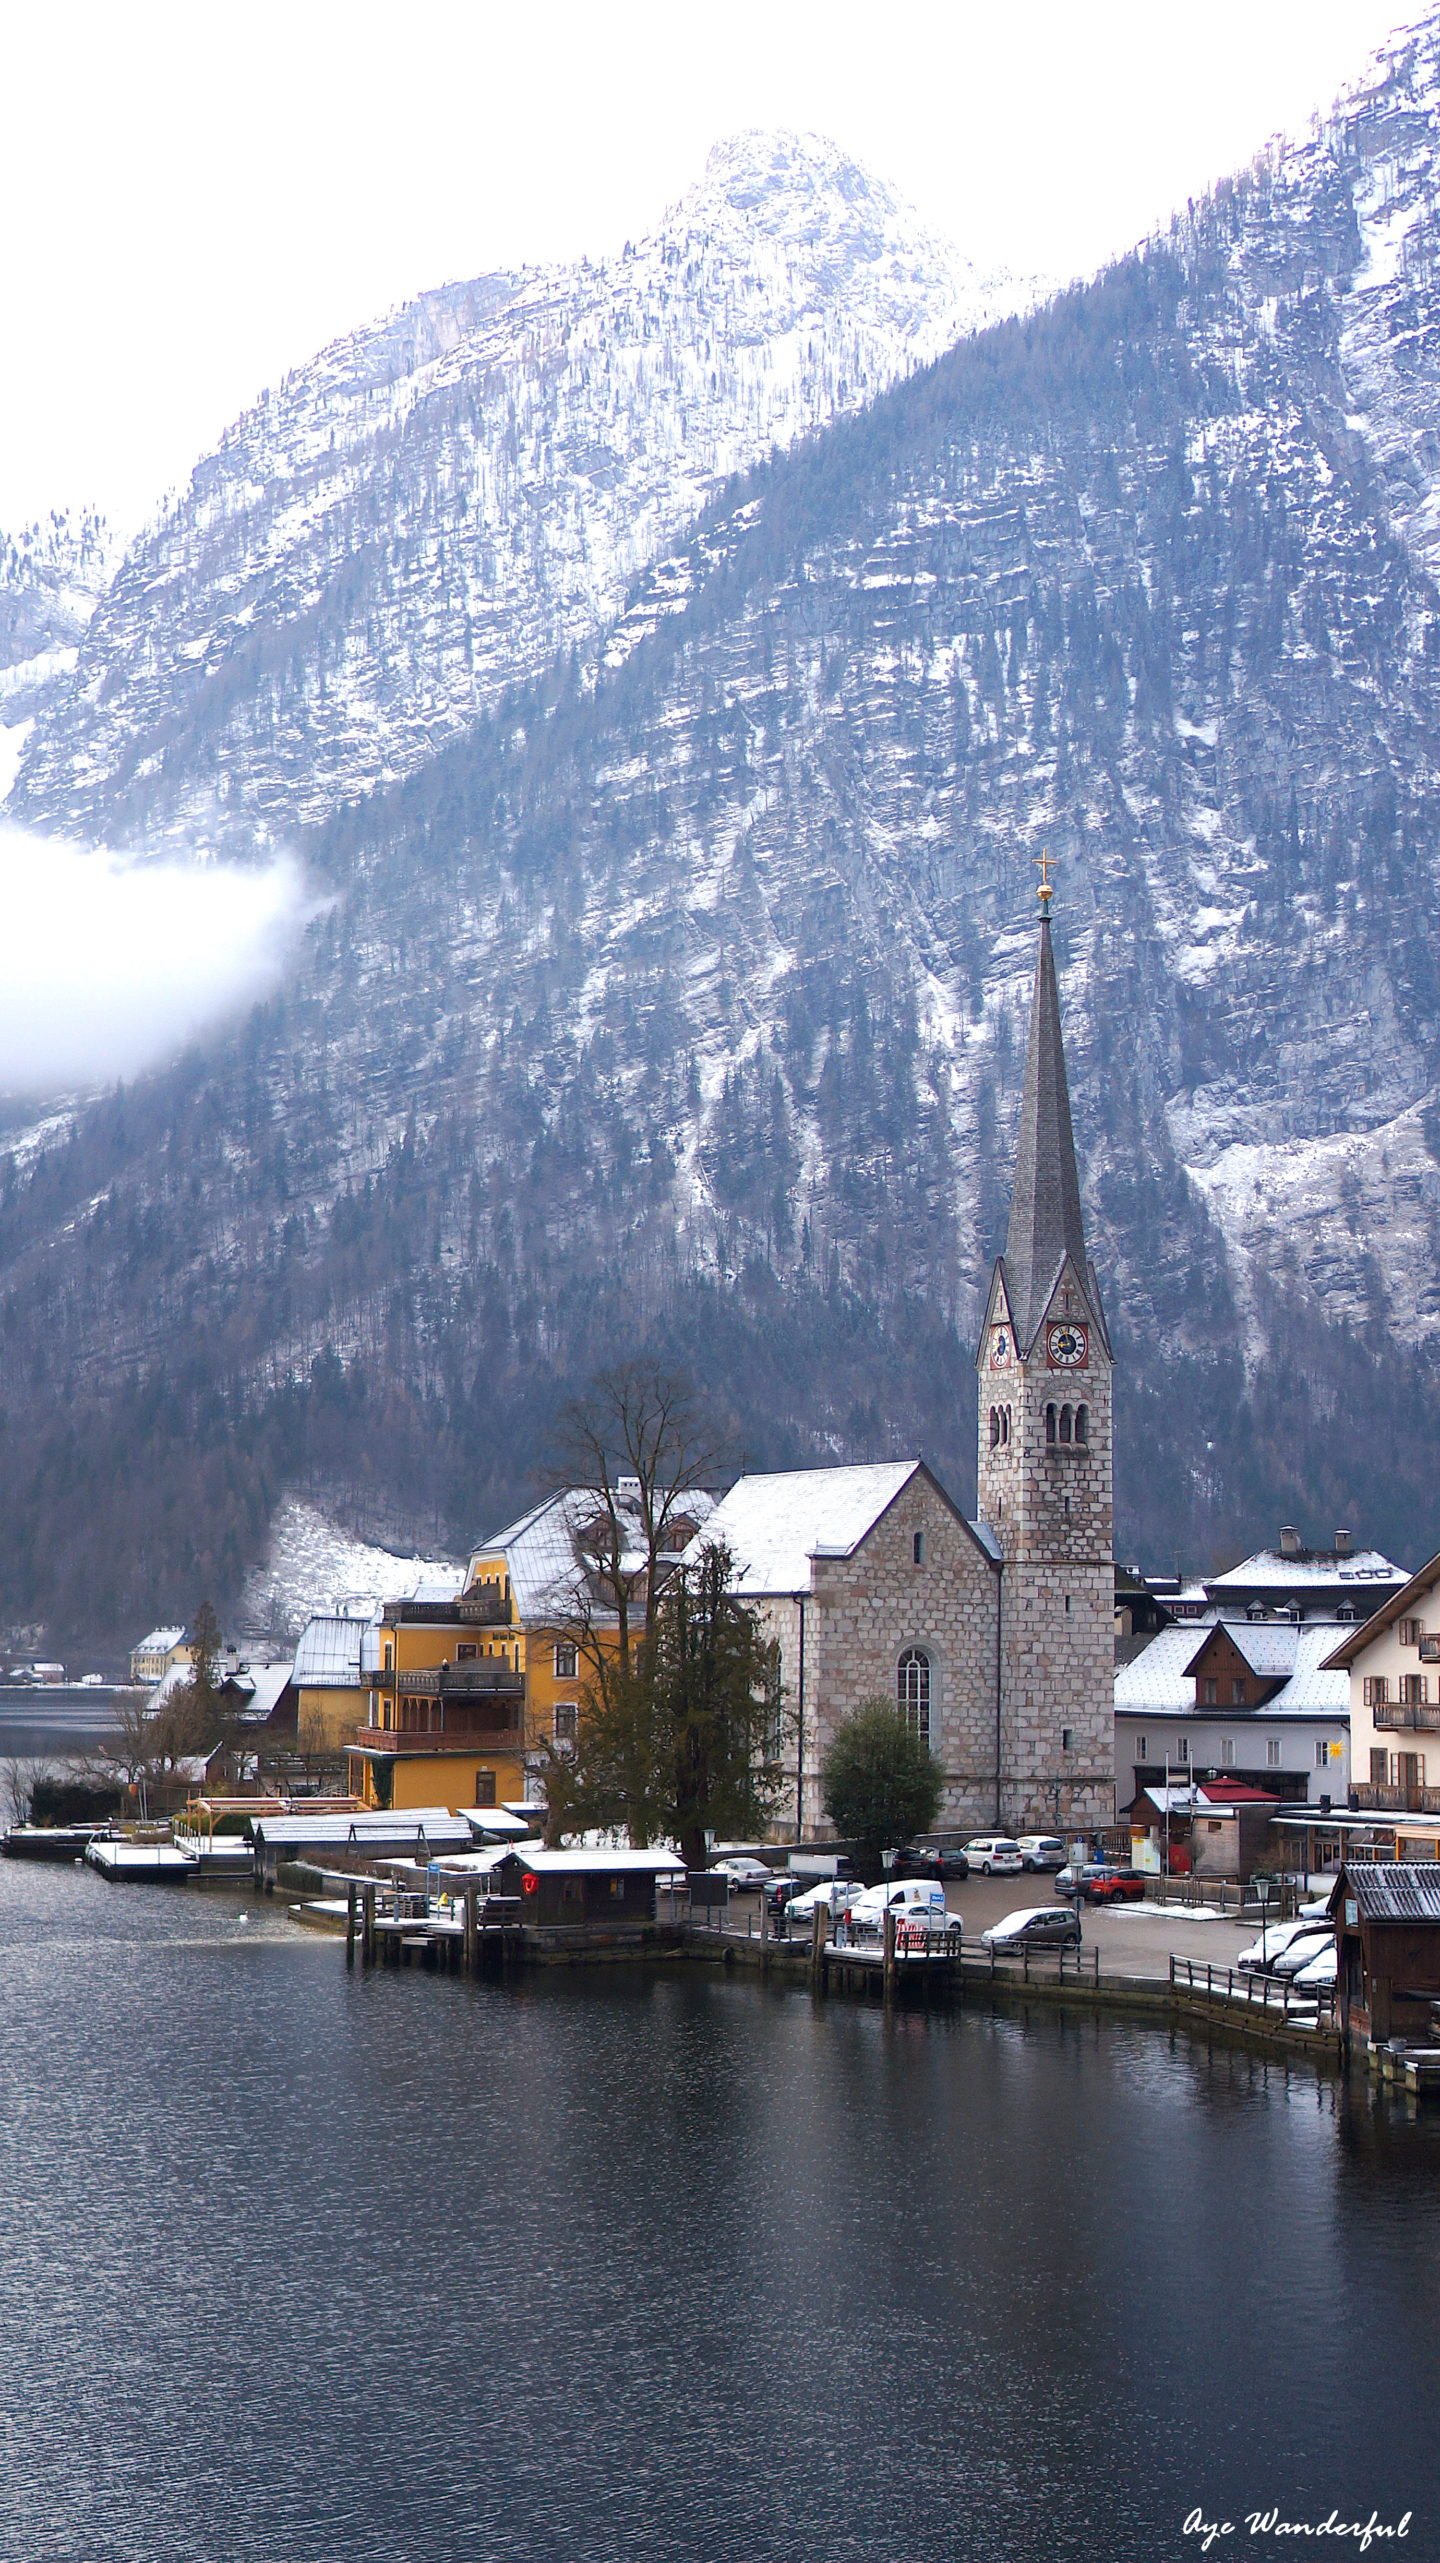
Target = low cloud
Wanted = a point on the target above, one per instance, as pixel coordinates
(113, 965)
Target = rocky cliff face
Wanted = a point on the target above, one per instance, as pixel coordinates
(678, 999)
(52, 576)
(437, 508)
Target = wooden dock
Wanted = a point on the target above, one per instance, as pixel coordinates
(470, 1929)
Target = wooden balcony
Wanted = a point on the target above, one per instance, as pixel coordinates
(486, 1608)
(490, 1678)
(458, 1735)
(1407, 1713)
(1374, 1800)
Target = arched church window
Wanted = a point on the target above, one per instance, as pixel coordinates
(994, 1428)
(912, 1691)
(1004, 1423)
(1065, 1423)
(1082, 1423)
(1049, 1423)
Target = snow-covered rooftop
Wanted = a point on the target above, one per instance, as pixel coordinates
(555, 1861)
(159, 1641)
(1155, 1683)
(1273, 1568)
(1268, 1646)
(259, 1687)
(543, 1559)
(402, 1824)
(775, 1525)
(332, 1651)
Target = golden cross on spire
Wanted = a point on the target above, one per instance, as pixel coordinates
(1046, 891)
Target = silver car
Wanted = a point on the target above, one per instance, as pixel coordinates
(1041, 1850)
(1055, 1925)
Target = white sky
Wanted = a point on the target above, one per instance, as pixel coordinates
(195, 196)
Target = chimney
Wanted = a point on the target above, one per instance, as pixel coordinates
(1344, 1543)
(1289, 1541)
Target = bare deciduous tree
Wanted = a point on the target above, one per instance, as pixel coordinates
(639, 1447)
(20, 1776)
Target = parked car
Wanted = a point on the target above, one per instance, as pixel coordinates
(923, 1860)
(1318, 1973)
(1054, 1924)
(1274, 1940)
(1041, 1850)
(781, 1885)
(743, 1870)
(1302, 1950)
(910, 1897)
(994, 1855)
(1090, 1882)
(837, 1895)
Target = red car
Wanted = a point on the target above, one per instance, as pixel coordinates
(1091, 1884)
(1115, 1886)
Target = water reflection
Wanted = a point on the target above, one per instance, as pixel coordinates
(317, 2267)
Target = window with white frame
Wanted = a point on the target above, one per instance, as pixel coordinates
(567, 1721)
(1272, 1752)
(567, 1659)
(912, 1691)
(1322, 1753)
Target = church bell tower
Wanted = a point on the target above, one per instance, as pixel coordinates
(1045, 1467)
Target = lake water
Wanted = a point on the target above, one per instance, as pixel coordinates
(638, 2269)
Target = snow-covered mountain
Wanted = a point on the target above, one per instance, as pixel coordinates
(438, 508)
(52, 576)
(675, 999)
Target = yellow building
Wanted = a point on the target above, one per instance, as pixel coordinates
(471, 1681)
(445, 1694)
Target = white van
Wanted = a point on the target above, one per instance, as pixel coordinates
(912, 1898)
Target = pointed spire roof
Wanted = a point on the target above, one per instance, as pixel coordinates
(1045, 1222)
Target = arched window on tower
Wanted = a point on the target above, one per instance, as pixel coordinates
(994, 1428)
(1082, 1423)
(912, 1691)
(1004, 1424)
(1066, 1420)
(1049, 1423)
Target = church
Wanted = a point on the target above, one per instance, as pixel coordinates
(994, 1637)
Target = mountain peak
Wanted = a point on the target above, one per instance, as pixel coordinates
(761, 162)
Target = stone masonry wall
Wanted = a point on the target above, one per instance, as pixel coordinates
(867, 1609)
(1051, 1506)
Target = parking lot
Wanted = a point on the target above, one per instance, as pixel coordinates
(1133, 1940)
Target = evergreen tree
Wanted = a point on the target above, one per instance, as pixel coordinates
(880, 1783)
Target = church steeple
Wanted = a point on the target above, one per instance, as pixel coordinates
(1045, 1480)
(1045, 1221)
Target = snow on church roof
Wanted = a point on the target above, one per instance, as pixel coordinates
(773, 1525)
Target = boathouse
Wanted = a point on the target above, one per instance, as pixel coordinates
(1387, 1938)
(594, 1889)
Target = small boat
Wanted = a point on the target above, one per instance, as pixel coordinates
(50, 1841)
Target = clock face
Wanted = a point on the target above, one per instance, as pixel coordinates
(1002, 1347)
(1067, 1347)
